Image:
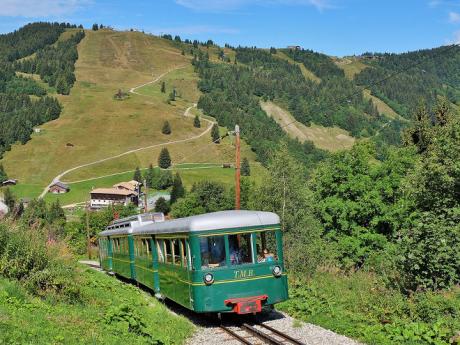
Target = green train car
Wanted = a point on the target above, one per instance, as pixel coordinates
(229, 261)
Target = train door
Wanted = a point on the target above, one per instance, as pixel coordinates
(188, 267)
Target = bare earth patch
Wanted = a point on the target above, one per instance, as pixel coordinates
(326, 138)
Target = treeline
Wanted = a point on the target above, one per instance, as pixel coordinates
(403, 80)
(320, 64)
(55, 64)
(30, 38)
(335, 101)
(231, 96)
(19, 114)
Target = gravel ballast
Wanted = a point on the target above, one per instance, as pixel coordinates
(307, 333)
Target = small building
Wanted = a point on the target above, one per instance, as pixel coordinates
(10, 182)
(37, 130)
(103, 197)
(58, 188)
(294, 47)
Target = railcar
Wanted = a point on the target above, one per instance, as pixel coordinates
(228, 261)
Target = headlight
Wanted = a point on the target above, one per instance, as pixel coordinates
(208, 279)
(276, 271)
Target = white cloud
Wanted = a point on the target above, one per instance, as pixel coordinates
(454, 17)
(40, 8)
(230, 5)
(195, 30)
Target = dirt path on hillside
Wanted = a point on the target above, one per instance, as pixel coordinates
(133, 90)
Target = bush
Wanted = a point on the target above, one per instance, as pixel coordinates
(25, 257)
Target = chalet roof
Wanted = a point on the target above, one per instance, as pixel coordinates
(60, 184)
(113, 191)
(127, 185)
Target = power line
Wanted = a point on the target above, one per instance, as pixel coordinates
(383, 80)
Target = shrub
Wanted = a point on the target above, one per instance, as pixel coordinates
(25, 257)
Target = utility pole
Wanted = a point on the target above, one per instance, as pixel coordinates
(88, 239)
(237, 168)
(145, 196)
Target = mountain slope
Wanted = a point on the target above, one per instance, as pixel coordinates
(94, 126)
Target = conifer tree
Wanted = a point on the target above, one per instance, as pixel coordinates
(245, 167)
(178, 190)
(215, 134)
(164, 160)
(95, 27)
(163, 87)
(148, 176)
(137, 175)
(166, 129)
(196, 122)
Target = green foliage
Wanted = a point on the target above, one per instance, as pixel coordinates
(215, 135)
(162, 205)
(178, 190)
(25, 257)
(357, 200)
(29, 39)
(196, 122)
(110, 312)
(3, 175)
(137, 175)
(284, 192)
(162, 179)
(19, 114)
(204, 197)
(149, 175)
(423, 74)
(245, 167)
(231, 95)
(24, 86)
(166, 129)
(359, 305)
(55, 64)
(164, 159)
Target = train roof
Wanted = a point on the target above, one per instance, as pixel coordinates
(203, 222)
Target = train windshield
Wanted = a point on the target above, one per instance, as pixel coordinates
(266, 246)
(212, 251)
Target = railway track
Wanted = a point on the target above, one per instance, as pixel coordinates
(262, 334)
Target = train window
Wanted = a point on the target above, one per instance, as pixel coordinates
(160, 248)
(168, 251)
(266, 246)
(240, 249)
(212, 251)
(177, 252)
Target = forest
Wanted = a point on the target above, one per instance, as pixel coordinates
(405, 80)
(19, 112)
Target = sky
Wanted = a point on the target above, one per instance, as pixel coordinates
(334, 27)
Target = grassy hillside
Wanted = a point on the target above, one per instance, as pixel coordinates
(107, 315)
(326, 138)
(94, 126)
